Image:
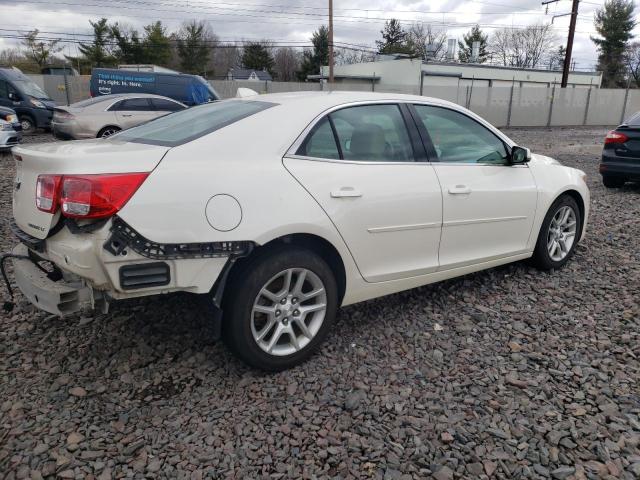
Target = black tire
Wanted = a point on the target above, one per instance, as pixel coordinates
(28, 124)
(112, 129)
(612, 182)
(244, 286)
(541, 257)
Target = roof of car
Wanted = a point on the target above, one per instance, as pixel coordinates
(336, 98)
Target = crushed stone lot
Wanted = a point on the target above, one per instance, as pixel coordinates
(508, 373)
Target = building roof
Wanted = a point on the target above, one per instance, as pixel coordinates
(245, 73)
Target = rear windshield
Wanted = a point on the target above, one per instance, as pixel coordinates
(187, 125)
(634, 120)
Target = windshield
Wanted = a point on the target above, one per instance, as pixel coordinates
(187, 125)
(29, 88)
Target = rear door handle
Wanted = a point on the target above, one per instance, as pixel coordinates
(459, 190)
(127, 115)
(346, 192)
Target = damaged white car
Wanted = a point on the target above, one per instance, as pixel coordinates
(281, 208)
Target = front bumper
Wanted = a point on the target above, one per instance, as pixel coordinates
(9, 138)
(62, 297)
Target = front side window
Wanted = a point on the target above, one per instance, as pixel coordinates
(460, 139)
(374, 133)
(192, 123)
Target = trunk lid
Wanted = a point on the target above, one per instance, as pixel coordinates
(77, 157)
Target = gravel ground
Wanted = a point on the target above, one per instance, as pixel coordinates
(509, 373)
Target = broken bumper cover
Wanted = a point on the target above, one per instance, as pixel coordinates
(57, 297)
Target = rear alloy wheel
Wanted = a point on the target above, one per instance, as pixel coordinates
(559, 234)
(281, 307)
(107, 132)
(612, 182)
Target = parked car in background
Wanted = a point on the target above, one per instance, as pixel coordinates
(10, 129)
(106, 115)
(621, 154)
(31, 103)
(349, 196)
(188, 89)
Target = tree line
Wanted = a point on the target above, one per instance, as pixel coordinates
(195, 48)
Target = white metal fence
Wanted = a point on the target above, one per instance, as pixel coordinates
(502, 106)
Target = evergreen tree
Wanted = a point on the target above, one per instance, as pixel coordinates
(465, 48)
(256, 56)
(98, 53)
(156, 44)
(614, 23)
(129, 46)
(313, 60)
(194, 47)
(394, 39)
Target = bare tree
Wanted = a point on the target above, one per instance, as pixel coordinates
(428, 41)
(523, 48)
(226, 57)
(286, 64)
(39, 51)
(632, 61)
(348, 56)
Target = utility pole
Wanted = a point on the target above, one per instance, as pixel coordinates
(572, 30)
(330, 41)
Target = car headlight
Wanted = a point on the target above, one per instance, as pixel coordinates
(37, 103)
(12, 118)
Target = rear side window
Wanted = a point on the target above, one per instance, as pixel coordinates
(166, 105)
(320, 143)
(373, 133)
(192, 123)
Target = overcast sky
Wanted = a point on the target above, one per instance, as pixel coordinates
(356, 21)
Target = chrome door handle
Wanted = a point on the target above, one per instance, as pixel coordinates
(346, 192)
(459, 190)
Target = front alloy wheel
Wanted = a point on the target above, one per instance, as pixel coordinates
(279, 306)
(561, 233)
(558, 235)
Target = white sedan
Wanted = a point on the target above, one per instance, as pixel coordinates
(278, 209)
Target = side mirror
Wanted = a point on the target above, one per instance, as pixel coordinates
(13, 96)
(520, 155)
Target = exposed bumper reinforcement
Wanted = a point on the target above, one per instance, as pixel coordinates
(58, 298)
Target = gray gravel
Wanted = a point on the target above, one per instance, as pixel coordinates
(532, 375)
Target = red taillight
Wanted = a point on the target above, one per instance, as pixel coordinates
(615, 137)
(91, 196)
(47, 190)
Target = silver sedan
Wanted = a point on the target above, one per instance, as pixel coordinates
(103, 116)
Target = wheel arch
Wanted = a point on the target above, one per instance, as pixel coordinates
(575, 194)
(313, 242)
(99, 134)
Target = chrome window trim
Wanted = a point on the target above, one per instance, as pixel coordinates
(291, 152)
